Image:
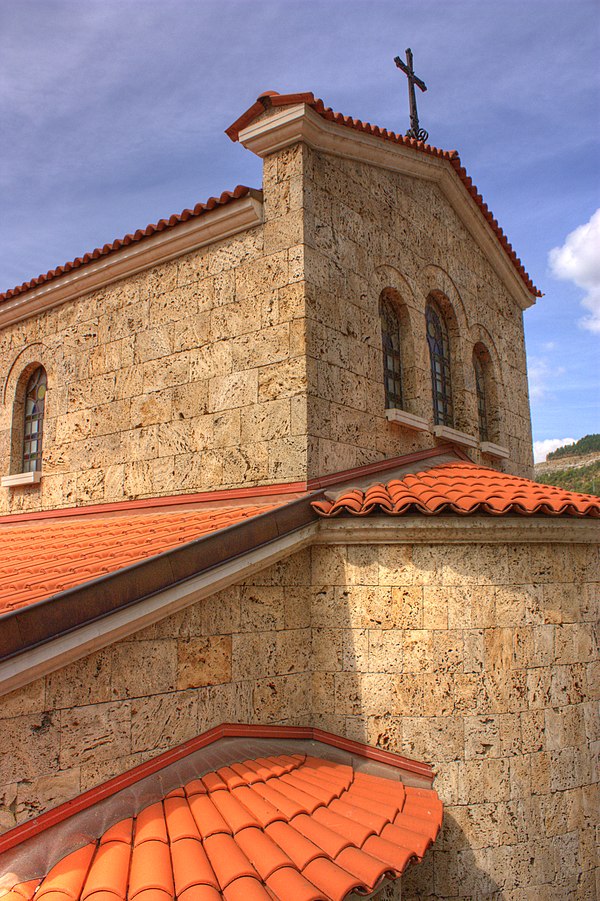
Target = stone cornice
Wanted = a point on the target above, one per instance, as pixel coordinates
(453, 529)
(222, 222)
(299, 122)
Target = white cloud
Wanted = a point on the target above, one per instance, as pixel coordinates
(541, 374)
(541, 448)
(578, 261)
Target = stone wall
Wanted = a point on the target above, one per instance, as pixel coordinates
(368, 229)
(241, 655)
(257, 359)
(480, 659)
(188, 377)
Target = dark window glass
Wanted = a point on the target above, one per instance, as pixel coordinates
(392, 359)
(481, 398)
(439, 354)
(35, 398)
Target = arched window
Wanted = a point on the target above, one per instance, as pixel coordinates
(439, 355)
(482, 410)
(392, 355)
(33, 425)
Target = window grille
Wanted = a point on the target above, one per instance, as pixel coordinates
(481, 398)
(35, 398)
(392, 357)
(439, 354)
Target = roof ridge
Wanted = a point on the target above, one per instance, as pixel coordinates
(199, 209)
(463, 488)
(273, 99)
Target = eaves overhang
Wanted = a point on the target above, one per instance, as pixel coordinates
(216, 220)
(48, 634)
(351, 139)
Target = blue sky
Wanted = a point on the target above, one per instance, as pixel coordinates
(113, 114)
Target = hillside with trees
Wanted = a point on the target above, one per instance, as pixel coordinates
(575, 467)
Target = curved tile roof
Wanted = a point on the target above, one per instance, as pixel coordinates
(463, 488)
(199, 210)
(285, 827)
(43, 557)
(273, 98)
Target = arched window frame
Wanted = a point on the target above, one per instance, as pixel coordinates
(34, 404)
(482, 398)
(391, 343)
(438, 340)
(486, 391)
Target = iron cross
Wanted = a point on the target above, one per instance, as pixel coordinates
(414, 131)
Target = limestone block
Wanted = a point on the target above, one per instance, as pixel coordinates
(444, 734)
(262, 608)
(407, 607)
(253, 655)
(8, 807)
(284, 379)
(296, 602)
(29, 699)
(151, 344)
(386, 649)
(219, 614)
(203, 661)
(167, 372)
(38, 795)
(355, 650)
(327, 650)
(189, 333)
(323, 687)
(163, 721)
(236, 390)
(280, 698)
(143, 668)
(34, 747)
(95, 732)
(148, 409)
(293, 651)
(87, 681)
(266, 421)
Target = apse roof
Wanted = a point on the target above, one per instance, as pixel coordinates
(308, 816)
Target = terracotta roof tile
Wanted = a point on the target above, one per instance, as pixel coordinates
(463, 488)
(199, 210)
(273, 99)
(182, 847)
(73, 550)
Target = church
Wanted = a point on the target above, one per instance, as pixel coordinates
(282, 614)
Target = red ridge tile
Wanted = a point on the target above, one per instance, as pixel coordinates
(290, 884)
(262, 852)
(199, 210)
(272, 98)
(191, 865)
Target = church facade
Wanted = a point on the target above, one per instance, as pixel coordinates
(340, 355)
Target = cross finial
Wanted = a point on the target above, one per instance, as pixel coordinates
(407, 67)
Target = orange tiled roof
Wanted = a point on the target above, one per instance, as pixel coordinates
(285, 827)
(162, 224)
(43, 557)
(460, 488)
(272, 98)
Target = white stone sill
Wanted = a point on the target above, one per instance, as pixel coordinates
(444, 431)
(417, 423)
(494, 450)
(21, 478)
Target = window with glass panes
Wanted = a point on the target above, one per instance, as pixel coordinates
(481, 398)
(439, 355)
(35, 398)
(392, 358)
